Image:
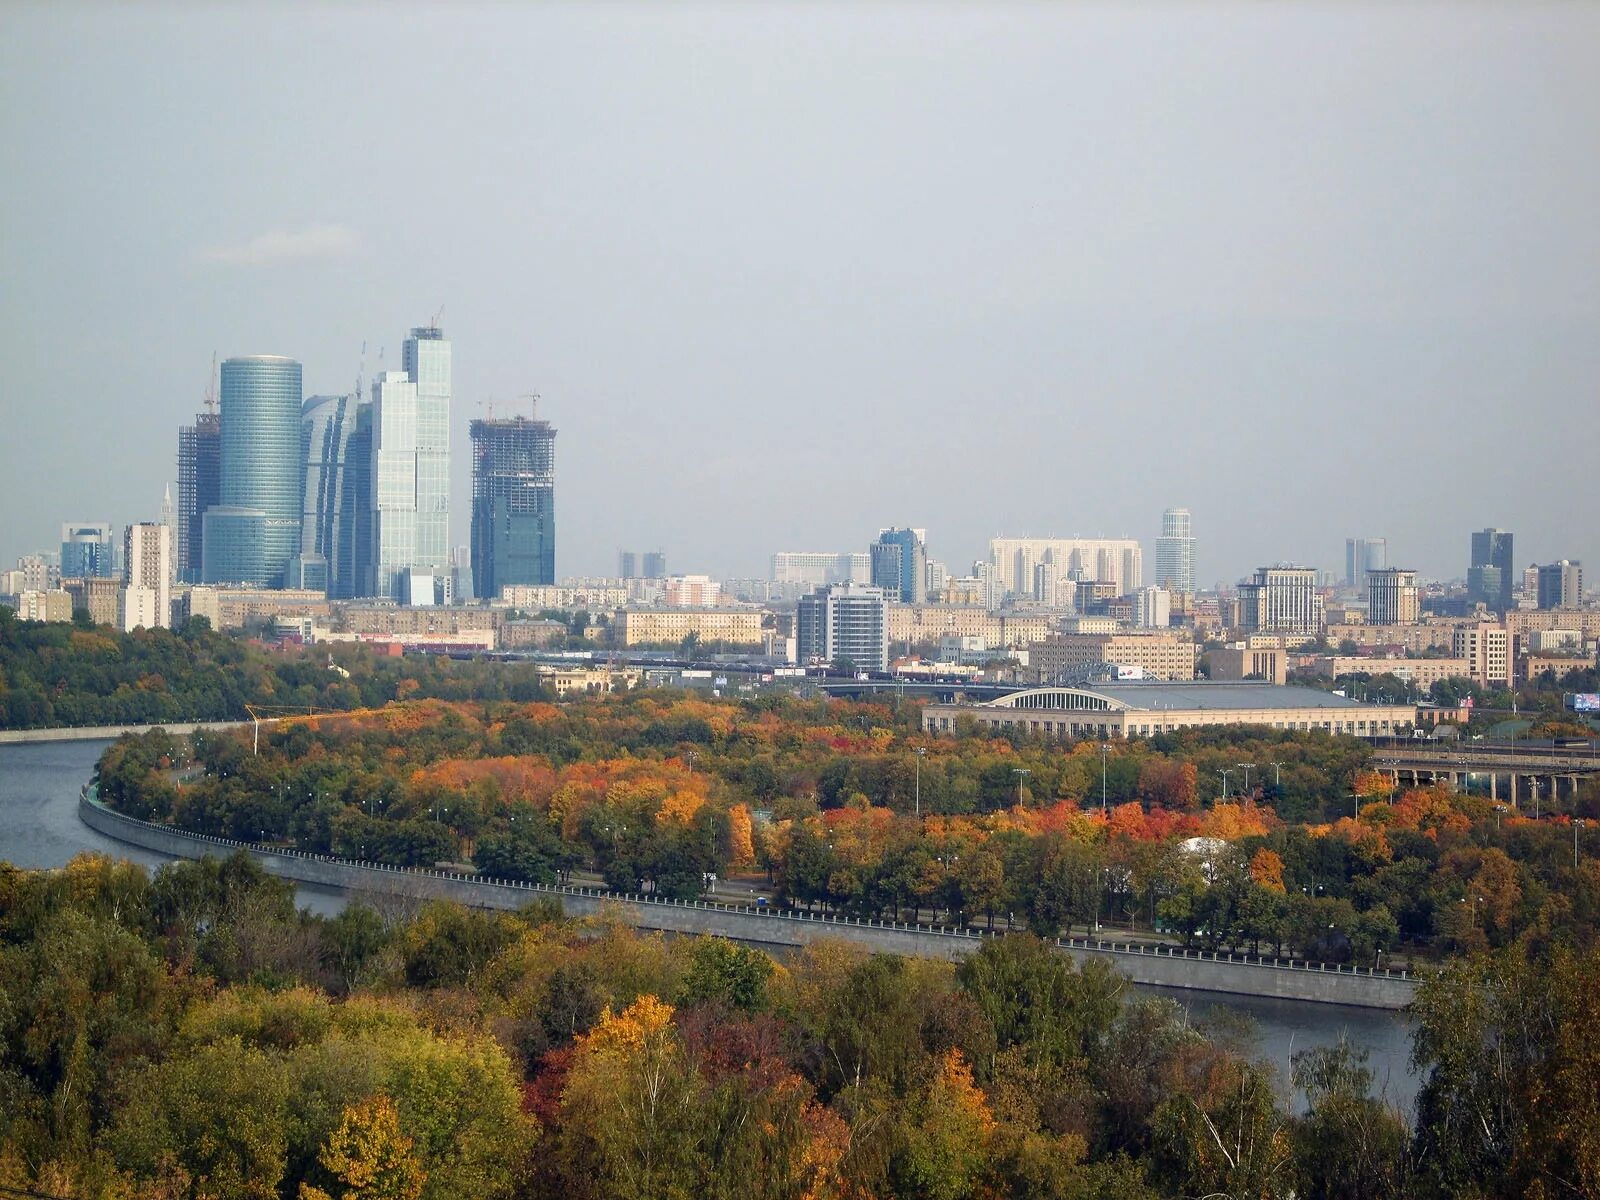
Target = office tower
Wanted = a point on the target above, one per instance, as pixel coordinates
(900, 565)
(410, 459)
(820, 567)
(250, 536)
(1281, 600)
(1362, 555)
(627, 564)
(843, 623)
(1491, 574)
(147, 572)
(1175, 552)
(1152, 608)
(326, 425)
(199, 488)
(1561, 584)
(1118, 561)
(1044, 583)
(88, 551)
(426, 358)
(351, 574)
(655, 564)
(1393, 597)
(513, 504)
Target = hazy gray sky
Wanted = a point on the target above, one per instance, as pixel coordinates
(784, 275)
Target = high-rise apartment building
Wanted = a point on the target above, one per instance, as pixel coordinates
(326, 426)
(843, 623)
(900, 565)
(1561, 584)
(513, 504)
(199, 488)
(250, 536)
(655, 564)
(1175, 552)
(1362, 555)
(1393, 597)
(627, 564)
(147, 572)
(820, 567)
(88, 551)
(1118, 561)
(1281, 600)
(1490, 576)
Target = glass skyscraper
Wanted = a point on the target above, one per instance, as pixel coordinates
(411, 465)
(1489, 576)
(326, 423)
(88, 551)
(1175, 551)
(513, 504)
(251, 536)
(900, 565)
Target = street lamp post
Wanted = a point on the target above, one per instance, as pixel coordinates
(1246, 768)
(1577, 824)
(1021, 773)
(1224, 773)
(921, 753)
(1277, 774)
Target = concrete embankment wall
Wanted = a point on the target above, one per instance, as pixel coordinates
(97, 733)
(1197, 970)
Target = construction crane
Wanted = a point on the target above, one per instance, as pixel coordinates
(279, 713)
(211, 385)
(533, 404)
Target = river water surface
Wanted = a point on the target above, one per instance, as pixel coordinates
(39, 828)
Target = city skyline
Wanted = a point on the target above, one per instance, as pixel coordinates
(1027, 320)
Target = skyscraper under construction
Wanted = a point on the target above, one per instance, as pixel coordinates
(513, 504)
(199, 487)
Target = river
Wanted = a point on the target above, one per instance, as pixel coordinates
(39, 828)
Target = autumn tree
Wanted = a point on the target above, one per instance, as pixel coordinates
(368, 1158)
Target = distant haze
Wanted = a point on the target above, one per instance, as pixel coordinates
(787, 275)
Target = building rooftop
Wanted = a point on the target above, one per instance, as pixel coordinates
(1243, 695)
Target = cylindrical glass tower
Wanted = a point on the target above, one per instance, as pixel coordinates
(262, 463)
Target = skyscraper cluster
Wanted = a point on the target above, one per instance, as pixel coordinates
(350, 494)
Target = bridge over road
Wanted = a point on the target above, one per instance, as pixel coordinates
(1514, 772)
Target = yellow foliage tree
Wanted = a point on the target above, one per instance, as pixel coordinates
(369, 1156)
(741, 842)
(1266, 868)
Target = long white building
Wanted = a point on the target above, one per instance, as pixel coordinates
(1115, 560)
(818, 567)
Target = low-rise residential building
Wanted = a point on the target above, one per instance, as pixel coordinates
(1159, 655)
(1423, 672)
(54, 604)
(599, 597)
(1431, 635)
(534, 634)
(669, 626)
(1241, 661)
(401, 622)
(918, 623)
(240, 608)
(100, 598)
